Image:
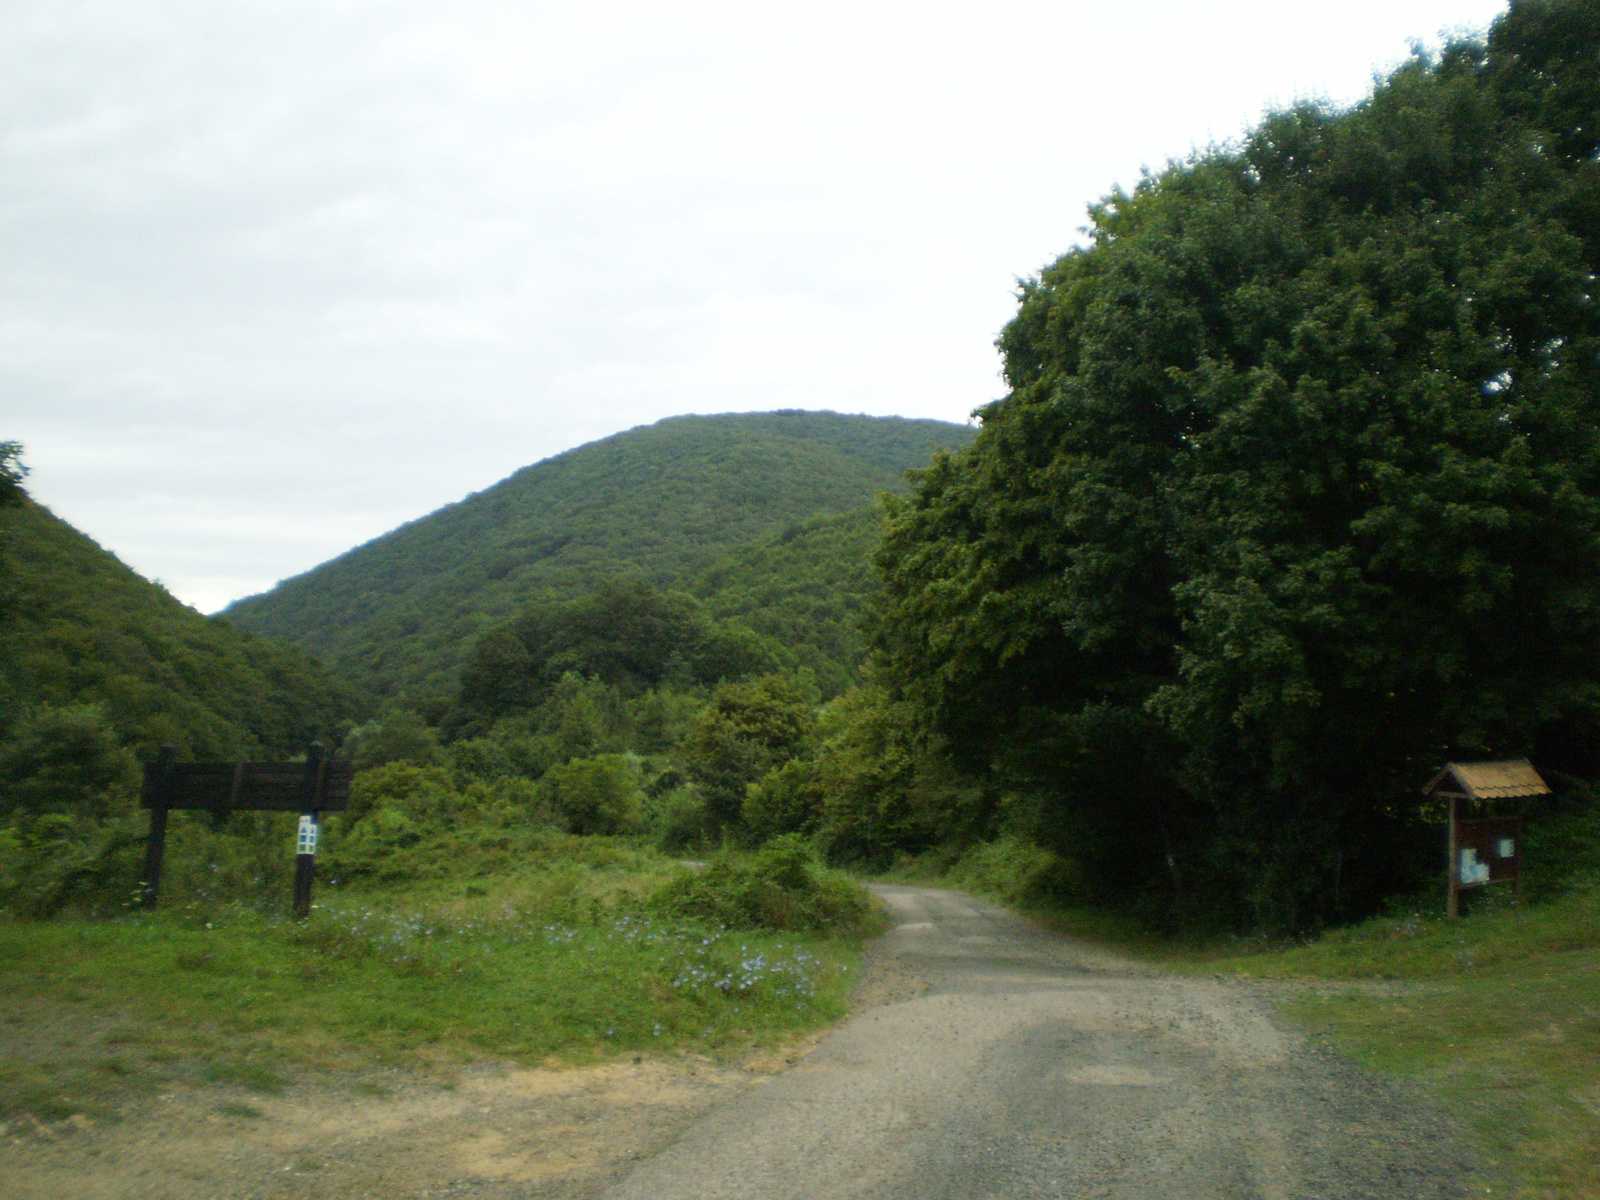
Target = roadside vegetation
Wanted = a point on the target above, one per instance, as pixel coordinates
(581, 947)
(1497, 1013)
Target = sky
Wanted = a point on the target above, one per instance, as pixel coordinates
(278, 277)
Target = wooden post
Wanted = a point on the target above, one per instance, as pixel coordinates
(1452, 875)
(155, 846)
(305, 862)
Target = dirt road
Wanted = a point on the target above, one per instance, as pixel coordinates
(987, 1060)
(1033, 1067)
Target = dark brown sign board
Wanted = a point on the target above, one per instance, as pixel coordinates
(315, 786)
(1484, 850)
(1488, 851)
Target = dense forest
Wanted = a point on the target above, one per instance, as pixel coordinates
(661, 502)
(1295, 494)
(805, 586)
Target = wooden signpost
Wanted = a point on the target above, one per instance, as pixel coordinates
(1483, 849)
(311, 788)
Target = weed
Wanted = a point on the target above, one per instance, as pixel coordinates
(235, 1108)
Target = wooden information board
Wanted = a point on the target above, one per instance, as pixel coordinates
(310, 788)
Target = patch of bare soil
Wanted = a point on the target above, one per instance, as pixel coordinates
(497, 1132)
(491, 1131)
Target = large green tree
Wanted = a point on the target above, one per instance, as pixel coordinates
(1296, 490)
(746, 731)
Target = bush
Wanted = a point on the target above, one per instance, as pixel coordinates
(677, 820)
(424, 794)
(1562, 850)
(781, 886)
(399, 808)
(1012, 871)
(481, 758)
(66, 760)
(399, 737)
(57, 861)
(597, 795)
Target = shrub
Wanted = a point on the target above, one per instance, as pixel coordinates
(1012, 871)
(597, 795)
(425, 794)
(56, 861)
(399, 737)
(65, 760)
(481, 758)
(677, 820)
(1562, 850)
(781, 886)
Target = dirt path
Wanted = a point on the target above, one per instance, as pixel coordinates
(987, 1059)
(1034, 1067)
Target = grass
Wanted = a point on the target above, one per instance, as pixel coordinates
(564, 958)
(1497, 1013)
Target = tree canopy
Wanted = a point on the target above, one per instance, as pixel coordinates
(1295, 493)
(625, 633)
(11, 474)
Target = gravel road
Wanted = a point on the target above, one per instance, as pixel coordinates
(1032, 1066)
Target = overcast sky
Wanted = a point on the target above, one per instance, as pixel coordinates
(277, 277)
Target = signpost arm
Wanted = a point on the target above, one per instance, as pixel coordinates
(155, 846)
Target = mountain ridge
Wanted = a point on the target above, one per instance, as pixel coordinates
(661, 502)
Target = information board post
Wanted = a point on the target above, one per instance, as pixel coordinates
(305, 858)
(155, 846)
(1452, 878)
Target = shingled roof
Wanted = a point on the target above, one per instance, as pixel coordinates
(1491, 780)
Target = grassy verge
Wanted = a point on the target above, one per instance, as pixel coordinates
(572, 957)
(1498, 1013)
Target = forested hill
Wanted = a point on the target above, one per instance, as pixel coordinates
(662, 502)
(78, 628)
(805, 586)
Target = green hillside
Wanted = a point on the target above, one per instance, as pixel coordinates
(662, 502)
(803, 585)
(78, 627)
